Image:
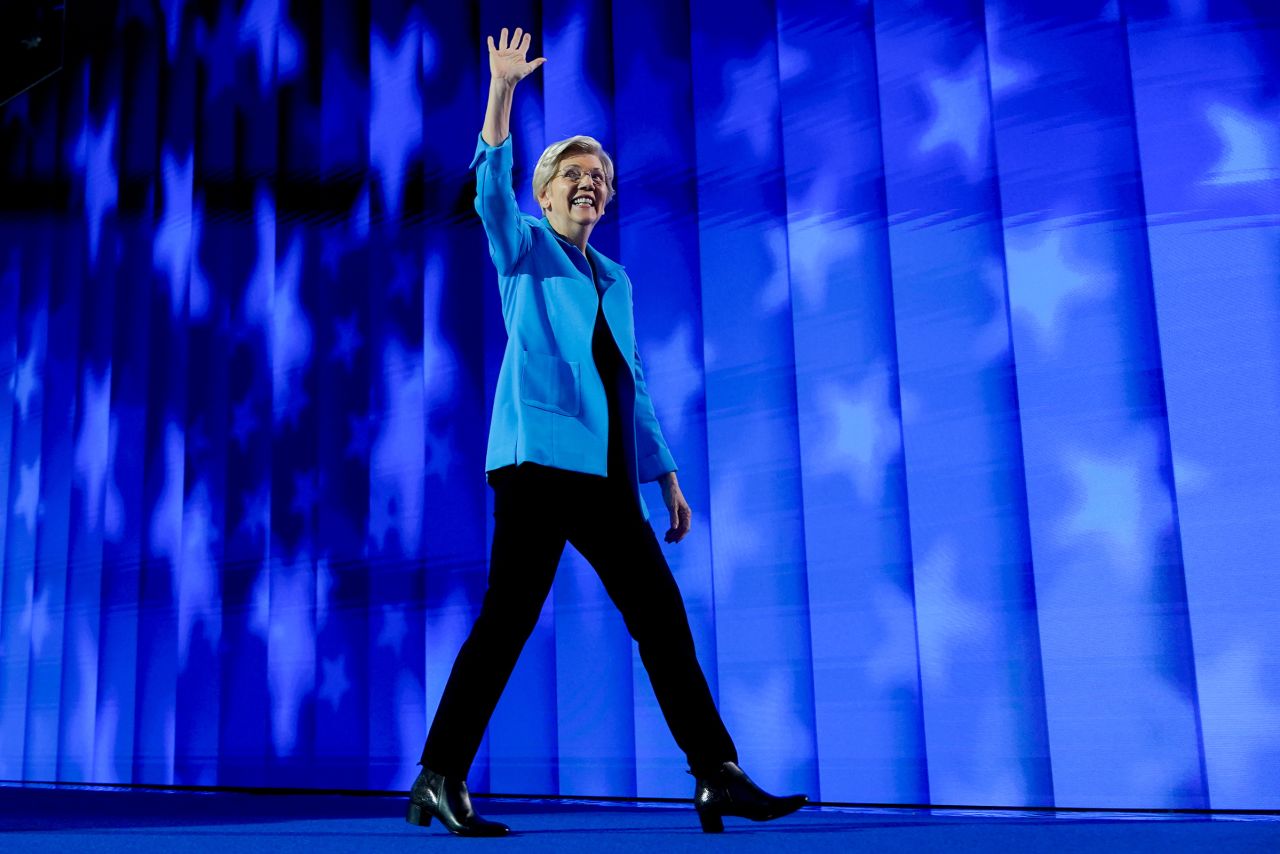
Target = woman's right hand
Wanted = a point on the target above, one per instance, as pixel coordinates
(506, 61)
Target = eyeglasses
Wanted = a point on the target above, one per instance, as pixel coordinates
(574, 174)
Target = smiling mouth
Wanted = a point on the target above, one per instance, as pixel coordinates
(583, 202)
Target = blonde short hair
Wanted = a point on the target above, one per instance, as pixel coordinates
(549, 162)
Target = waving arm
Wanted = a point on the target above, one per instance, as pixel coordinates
(509, 237)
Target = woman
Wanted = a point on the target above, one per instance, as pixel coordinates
(572, 436)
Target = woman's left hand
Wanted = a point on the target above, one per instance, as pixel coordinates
(681, 515)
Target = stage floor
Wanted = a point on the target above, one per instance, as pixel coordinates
(87, 819)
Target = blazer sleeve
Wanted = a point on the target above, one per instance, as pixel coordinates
(652, 454)
(509, 234)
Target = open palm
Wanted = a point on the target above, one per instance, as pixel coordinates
(506, 60)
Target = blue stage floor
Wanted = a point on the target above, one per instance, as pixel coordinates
(86, 820)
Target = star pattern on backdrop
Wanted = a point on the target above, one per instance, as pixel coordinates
(272, 39)
(290, 337)
(171, 249)
(95, 154)
(92, 441)
(198, 583)
(1119, 507)
(256, 306)
(334, 683)
(25, 381)
(291, 647)
(751, 102)
(41, 621)
(1250, 146)
(960, 119)
(862, 434)
(1044, 283)
(394, 627)
(165, 531)
(395, 120)
(1008, 76)
(671, 365)
(26, 505)
(397, 487)
(948, 620)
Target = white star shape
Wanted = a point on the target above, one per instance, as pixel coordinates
(1043, 283)
(290, 335)
(961, 115)
(751, 106)
(334, 683)
(947, 620)
(291, 671)
(823, 252)
(397, 459)
(674, 377)
(1120, 508)
(166, 512)
(257, 294)
(25, 381)
(92, 441)
(171, 247)
(862, 434)
(1007, 75)
(395, 111)
(96, 155)
(172, 10)
(196, 575)
(40, 621)
(26, 505)
(1250, 146)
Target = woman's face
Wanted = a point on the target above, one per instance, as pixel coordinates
(577, 195)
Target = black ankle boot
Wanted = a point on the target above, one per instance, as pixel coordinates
(448, 800)
(727, 790)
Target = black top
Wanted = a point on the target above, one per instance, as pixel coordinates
(609, 363)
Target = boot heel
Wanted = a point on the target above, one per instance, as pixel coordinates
(711, 822)
(417, 815)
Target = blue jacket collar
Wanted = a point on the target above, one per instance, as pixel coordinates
(607, 269)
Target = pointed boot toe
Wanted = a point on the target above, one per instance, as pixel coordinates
(434, 796)
(729, 791)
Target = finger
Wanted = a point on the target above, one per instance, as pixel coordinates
(492, 47)
(502, 39)
(524, 45)
(516, 38)
(537, 63)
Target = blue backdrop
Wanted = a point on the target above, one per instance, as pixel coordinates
(962, 320)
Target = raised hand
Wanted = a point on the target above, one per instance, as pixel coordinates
(507, 62)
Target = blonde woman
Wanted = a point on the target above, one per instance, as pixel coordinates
(573, 435)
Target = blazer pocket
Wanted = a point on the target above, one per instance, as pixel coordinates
(550, 383)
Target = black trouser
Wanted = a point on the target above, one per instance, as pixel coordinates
(536, 510)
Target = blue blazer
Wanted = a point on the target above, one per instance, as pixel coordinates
(550, 405)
